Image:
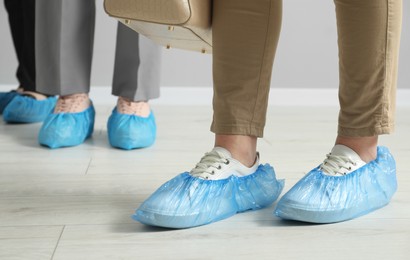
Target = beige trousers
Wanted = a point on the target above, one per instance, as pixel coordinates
(245, 37)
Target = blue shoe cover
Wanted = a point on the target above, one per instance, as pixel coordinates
(187, 201)
(319, 198)
(131, 132)
(24, 109)
(5, 98)
(67, 129)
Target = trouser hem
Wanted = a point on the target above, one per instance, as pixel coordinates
(365, 132)
(237, 130)
(135, 97)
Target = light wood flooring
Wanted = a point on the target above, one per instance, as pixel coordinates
(76, 203)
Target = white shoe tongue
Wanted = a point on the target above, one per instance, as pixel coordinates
(222, 152)
(343, 150)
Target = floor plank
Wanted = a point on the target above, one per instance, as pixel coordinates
(358, 239)
(87, 193)
(23, 243)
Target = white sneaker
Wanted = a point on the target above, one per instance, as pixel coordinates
(341, 161)
(319, 198)
(219, 164)
(217, 188)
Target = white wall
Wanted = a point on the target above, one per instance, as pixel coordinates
(306, 58)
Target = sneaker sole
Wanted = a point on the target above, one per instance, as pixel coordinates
(323, 217)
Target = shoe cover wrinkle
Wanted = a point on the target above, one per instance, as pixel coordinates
(67, 129)
(320, 198)
(187, 201)
(24, 109)
(130, 131)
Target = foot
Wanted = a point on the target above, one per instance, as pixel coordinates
(131, 125)
(136, 108)
(343, 187)
(28, 107)
(34, 95)
(217, 188)
(74, 103)
(71, 123)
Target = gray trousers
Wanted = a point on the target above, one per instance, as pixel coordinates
(64, 49)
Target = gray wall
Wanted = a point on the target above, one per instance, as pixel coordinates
(306, 58)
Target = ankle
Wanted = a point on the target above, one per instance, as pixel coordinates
(365, 147)
(34, 95)
(241, 147)
(73, 103)
(130, 107)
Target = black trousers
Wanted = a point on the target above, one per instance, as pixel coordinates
(21, 19)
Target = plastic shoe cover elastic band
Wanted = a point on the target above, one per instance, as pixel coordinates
(320, 198)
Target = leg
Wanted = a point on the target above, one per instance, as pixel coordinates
(357, 177)
(242, 71)
(136, 81)
(30, 106)
(137, 66)
(15, 13)
(64, 45)
(21, 20)
(369, 37)
(229, 179)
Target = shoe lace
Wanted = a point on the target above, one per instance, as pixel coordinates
(210, 164)
(337, 164)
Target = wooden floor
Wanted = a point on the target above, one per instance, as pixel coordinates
(76, 203)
